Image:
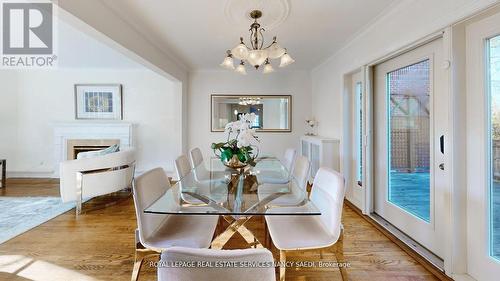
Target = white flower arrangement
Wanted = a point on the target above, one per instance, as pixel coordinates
(240, 141)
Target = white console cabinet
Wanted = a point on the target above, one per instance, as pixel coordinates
(322, 152)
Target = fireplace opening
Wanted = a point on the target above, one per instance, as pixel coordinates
(75, 146)
(78, 149)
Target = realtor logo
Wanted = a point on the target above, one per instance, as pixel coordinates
(28, 34)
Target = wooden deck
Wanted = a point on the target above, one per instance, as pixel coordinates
(99, 245)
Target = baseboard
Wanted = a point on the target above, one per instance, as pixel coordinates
(34, 175)
(52, 175)
(463, 277)
(436, 271)
(354, 201)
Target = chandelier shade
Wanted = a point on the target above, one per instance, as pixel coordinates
(286, 60)
(256, 55)
(228, 63)
(268, 68)
(275, 51)
(240, 52)
(241, 68)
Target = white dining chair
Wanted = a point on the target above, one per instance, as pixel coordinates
(263, 269)
(201, 174)
(196, 157)
(299, 233)
(289, 158)
(208, 188)
(157, 232)
(300, 174)
(279, 177)
(182, 167)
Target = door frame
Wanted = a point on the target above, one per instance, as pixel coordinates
(355, 193)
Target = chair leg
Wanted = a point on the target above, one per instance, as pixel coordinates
(266, 241)
(137, 266)
(79, 193)
(140, 254)
(282, 265)
(339, 254)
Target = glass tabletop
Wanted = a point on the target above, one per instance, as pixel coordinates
(213, 189)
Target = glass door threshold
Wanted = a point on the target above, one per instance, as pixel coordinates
(408, 241)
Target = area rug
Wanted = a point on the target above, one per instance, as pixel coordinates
(20, 214)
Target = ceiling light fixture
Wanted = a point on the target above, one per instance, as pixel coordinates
(257, 54)
(249, 101)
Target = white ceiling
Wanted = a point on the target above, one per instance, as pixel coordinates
(199, 32)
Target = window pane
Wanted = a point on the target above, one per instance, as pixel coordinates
(359, 131)
(409, 139)
(494, 88)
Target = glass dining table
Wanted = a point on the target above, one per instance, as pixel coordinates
(237, 195)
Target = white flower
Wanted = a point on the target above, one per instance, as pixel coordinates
(233, 126)
(246, 137)
(244, 126)
(250, 117)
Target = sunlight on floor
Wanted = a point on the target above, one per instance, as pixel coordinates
(38, 270)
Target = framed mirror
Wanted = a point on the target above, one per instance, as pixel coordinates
(273, 112)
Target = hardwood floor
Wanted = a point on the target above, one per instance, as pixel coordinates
(99, 245)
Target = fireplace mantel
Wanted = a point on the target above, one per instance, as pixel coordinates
(88, 131)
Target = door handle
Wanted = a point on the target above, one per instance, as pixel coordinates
(441, 166)
(441, 144)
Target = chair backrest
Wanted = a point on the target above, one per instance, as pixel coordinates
(105, 181)
(288, 158)
(301, 170)
(196, 157)
(262, 257)
(328, 196)
(182, 166)
(147, 188)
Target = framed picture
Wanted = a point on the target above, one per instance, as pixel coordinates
(98, 101)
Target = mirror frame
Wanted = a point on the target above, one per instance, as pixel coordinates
(289, 97)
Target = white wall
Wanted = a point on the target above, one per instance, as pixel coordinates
(36, 99)
(8, 116)
(204, 83)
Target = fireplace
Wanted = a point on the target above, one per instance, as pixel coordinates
(75, 146)
(87, 135)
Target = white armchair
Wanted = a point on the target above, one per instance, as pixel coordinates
(82, 179)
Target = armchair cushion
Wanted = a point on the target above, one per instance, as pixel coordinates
(91, 154)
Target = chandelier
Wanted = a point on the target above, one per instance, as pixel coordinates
(249, 101)
(257, 55)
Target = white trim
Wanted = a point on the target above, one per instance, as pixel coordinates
(37, 175)
(462, 277)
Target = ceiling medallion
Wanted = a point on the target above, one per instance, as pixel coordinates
(256, 55)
